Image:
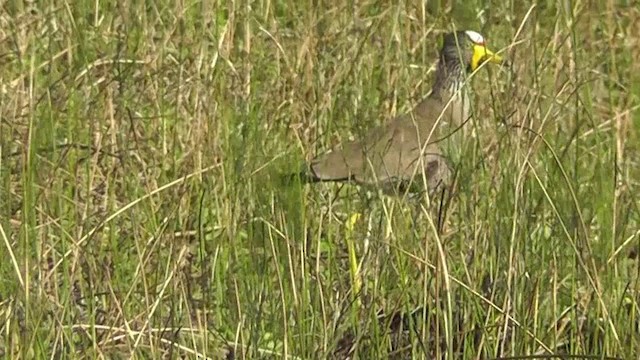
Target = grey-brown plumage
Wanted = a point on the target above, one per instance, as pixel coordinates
(405, 151)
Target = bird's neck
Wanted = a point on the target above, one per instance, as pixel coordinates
(451, 92)
(450, 80)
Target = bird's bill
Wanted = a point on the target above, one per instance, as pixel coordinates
(481, 54)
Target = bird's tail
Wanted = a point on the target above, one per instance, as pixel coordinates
(304, 176)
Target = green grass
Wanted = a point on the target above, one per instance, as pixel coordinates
(141, 212)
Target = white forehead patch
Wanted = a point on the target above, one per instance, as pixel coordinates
(475, 37)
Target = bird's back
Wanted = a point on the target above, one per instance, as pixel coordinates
(394, 154)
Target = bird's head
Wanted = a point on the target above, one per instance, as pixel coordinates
(469, 48)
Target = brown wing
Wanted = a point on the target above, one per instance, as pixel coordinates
(350, 160)
(341, 164)
(388, 153)
(405, 150)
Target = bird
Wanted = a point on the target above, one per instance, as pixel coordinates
(404, 154)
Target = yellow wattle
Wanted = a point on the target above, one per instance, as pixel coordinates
(481, 54)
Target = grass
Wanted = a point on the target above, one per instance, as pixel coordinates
(141, 215)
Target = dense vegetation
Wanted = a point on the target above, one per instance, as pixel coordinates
(142, 212)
